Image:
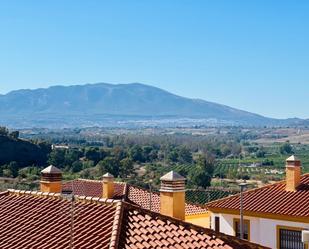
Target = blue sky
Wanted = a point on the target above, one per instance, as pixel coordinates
(252, 55)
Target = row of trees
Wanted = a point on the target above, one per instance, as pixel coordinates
(124, 162)
(260, 151)
(128, 156)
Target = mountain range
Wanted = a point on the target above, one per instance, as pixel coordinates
(105, 104)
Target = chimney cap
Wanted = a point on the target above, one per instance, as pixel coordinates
(292, 158)
(108, 175)
(51, 169)
(172, 176)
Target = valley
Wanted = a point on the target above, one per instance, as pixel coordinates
(223, 156)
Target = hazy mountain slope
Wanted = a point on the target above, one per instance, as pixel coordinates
(23, 152)
(121, 100)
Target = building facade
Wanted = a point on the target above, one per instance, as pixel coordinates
(274, 215)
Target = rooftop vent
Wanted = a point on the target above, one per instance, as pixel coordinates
(51, 180)
(172, 195)
(293, 173)
(108, 186)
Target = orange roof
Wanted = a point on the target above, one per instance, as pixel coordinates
(273, 199)
(130, 193)
(85, 187)
(31, 220)
(142, 198)
(144, 229)
(44, 220)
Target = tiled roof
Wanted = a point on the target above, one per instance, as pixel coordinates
(142, 198)
(30, 220)
(93, 188)
(272, 199)
(43, 220)
(136, 195)
(144, 229)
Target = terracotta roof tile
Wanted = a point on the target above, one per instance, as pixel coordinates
(137, 195)
(30, 221)
(177, 234)
(43, 220)
(272, 199)
(142, 198)
(92, 188)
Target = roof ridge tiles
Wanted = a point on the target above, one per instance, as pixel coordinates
(4, 193)
(116, 228)
(245, 192)
(126, 191)
(123, 191)
(228, 240)
(134, 207)
(46, 221)
(86, 180)
(269, 200)
(189, 205)
(93, 180)
(86, 199)
(250, 191)
(97, 200)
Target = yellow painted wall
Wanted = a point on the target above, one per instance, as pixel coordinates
(108, 189)
(51, 187)
(173, 204)
(199, 219)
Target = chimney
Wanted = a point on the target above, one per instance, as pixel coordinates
(108, 186)
(293, 173)
(172, 195)
(51, 180)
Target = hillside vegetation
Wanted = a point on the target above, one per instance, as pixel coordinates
(219, 157)
(16, 153)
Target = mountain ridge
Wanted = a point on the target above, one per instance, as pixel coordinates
(129, 100)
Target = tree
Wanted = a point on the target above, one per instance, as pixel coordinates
(94, 155)
(225, 150)
(202, 174)
(56, 158)
(260, 153)
(286, 148)
(70, 156)
(173, 155)
(147, 153)
(87, 164)
(126, 167)
(136, 153)
(77, 166)
(31, 173)
(110, 165)
(119, 153)
(184, 155)
(13, 168)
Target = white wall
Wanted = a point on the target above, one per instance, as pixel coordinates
(262, 231)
